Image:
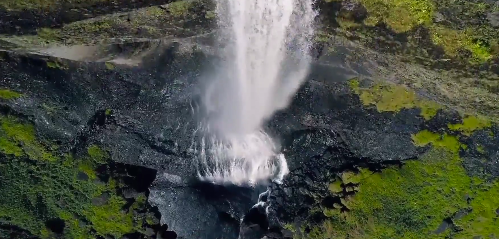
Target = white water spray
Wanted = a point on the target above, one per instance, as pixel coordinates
(267, 58)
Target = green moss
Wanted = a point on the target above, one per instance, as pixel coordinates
(155, 12)
(15, 133)
(480, 149)
(404, 203)
(454, 40)
(151, 219)
(89, 27)
(38, 190)
(14, 5)
(110, 219)
(25, 5)
(88, 168)
(470, 124)
(448, 142)
(335, 187)
(412, 201)
(290, 227)
(97, 154)
(9, 147)
(399, 15)
(210, 15)
(45, 233)
(108, 112)
(8, 94)
(321, 36)
(141, 200)
(110, 66)
(55, 65)
(351, 177)
(393, 98)
(347, 23)
(179, 8)
(48, 34)
(354, 85)
(483, 218)
(75, 228)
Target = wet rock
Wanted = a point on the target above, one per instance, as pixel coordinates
(493, 18)
(82, 176)
(352, 10)
(149, 232)
(130, 193)
(438, 17)
(56, 225)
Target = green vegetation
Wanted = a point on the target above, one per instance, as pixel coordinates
(148, 22)
(403, 16)
(55, 65)
(471, 124)
(448, 142)
(15, 5)
(180, 8)
(110, 66)
(483, 219)
(19, 139)
(8, 94)
(412, 201)
(393, 98)
(453, 40)
(115, 223)
(97, 154)
(399, 15)
(26, 5)
(346, 23)
(39, 185)
(210, 15)
(48, 34)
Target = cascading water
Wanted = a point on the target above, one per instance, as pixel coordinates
(266, 57)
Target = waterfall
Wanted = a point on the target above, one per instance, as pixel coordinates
(266, 59)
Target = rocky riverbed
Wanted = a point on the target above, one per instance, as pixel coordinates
(393, 135)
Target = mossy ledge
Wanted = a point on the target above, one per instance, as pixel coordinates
(51, 194)
(388, 97)
(432, 197)
(36, 14)
(7, 94)
(404, 20)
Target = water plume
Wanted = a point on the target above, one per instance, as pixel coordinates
(266, 59)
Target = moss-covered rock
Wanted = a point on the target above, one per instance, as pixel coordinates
(44, 193)
(177, 19)
(8, 94)
(393, 98)
(25, 17)
(399, 15)
(455, 59)
(433, 196)
(414, 200)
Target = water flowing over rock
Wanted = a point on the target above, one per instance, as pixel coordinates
(266, 60)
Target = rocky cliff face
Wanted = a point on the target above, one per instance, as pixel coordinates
(393, 135)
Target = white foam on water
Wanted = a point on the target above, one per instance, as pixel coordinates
(266, 59)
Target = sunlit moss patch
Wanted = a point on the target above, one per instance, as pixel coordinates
(393, 98)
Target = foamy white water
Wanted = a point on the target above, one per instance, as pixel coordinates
(267, 59)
